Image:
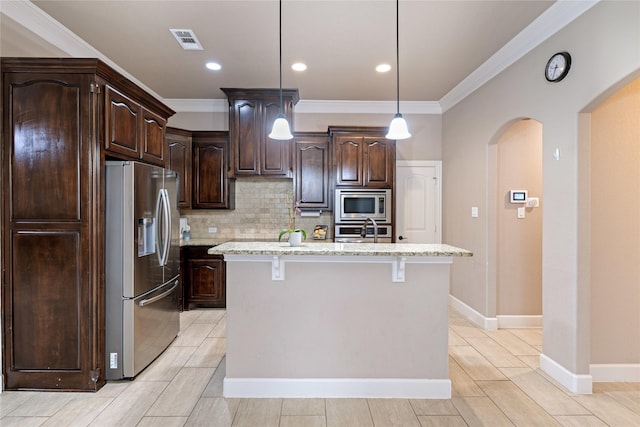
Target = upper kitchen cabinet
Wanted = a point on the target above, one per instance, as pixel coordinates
(179, 160)
(312, 170)
(212, 187)
(53, 206)
(133, 130)
(251, 116)
(363, 157)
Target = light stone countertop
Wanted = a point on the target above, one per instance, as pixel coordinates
(340, 249)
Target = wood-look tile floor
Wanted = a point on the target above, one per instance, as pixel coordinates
(495, 378)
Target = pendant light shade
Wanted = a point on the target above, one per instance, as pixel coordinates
(280, 128)
(398, 127)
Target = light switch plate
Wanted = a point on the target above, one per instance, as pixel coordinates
(474, 212)
(520, 213)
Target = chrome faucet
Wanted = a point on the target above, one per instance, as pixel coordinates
(363, 232)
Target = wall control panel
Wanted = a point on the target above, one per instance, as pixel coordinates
(518, 196)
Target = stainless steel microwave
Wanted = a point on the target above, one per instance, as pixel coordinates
(356, 205)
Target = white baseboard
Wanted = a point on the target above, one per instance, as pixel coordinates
(338, 388)
(486, 323)
(615, 372)
(514, 322)
(575, 383)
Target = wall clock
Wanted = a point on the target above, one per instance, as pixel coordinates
(558, 66)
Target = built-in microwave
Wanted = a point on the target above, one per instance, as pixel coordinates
(356, 205)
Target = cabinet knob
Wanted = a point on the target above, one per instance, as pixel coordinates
(402, 238)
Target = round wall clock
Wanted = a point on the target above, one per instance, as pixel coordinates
(558, 66)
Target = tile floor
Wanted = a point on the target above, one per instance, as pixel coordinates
(495, 376)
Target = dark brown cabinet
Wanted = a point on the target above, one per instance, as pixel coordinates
(132, 131)
(55, 129)
(312, 169)
(251, 116)
(212, 188)
(363, 157)
(204, 278)
(179, 160)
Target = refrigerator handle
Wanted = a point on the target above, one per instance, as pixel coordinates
(164, 226)
(158, 297)
(166, 232)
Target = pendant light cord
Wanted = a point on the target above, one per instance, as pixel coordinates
(280, 42)
(398, 55)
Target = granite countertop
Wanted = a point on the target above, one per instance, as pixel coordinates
(338, 249)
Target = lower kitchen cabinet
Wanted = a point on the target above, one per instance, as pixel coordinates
(204, 278)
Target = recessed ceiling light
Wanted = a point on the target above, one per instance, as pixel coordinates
(299, 66)
(383, 68)
(214, 66)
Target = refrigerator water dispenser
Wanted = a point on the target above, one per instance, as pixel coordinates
(146, 236)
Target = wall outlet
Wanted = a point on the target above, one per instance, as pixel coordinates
(213, 229)
(113, 360)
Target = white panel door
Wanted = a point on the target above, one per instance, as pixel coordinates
(418, 201)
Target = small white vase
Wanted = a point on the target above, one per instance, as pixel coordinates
(295, 238)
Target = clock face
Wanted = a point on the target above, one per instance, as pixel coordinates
(558, 67)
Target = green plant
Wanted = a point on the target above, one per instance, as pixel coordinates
(292, 208)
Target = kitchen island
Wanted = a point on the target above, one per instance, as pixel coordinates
(337, 319)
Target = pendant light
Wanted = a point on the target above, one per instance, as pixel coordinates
(398, 127)
(280, 128)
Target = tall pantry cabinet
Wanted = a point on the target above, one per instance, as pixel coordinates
(55, 115)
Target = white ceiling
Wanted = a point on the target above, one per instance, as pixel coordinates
(441, 42)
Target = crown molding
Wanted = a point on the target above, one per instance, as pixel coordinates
(552, 20)
(306, 106)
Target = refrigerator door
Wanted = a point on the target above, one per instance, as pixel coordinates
(150, 224)
(172, 263)
(151, 324)
(139, 330)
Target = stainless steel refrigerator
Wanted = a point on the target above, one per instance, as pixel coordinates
(142, 263)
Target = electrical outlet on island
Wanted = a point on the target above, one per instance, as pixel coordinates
(213, 229)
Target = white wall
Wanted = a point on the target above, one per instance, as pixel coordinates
(605, 46)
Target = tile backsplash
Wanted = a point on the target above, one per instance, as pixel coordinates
(261, 211)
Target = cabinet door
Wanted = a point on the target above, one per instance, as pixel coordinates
(179, 160)
(312, 185)
(211, 186)
(153, 138)
(244, 133)
(379, 162)
(275, 155)
(122, 123)
(205, 284)
(347, 156)
(51, 301)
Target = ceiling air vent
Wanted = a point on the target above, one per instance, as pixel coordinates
(187, 39)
